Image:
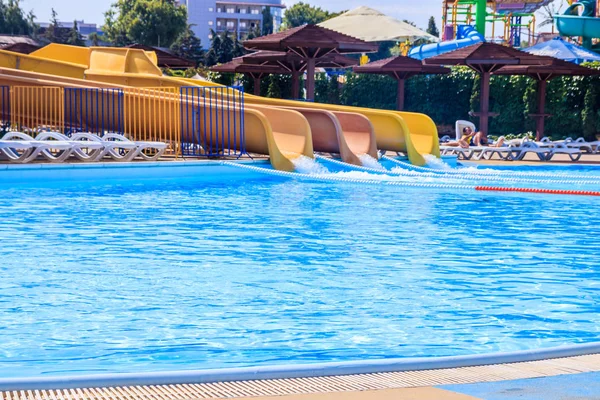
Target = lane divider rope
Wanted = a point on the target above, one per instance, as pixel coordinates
(330, 178)
(464, 176)
(534, 190)
(549, 176)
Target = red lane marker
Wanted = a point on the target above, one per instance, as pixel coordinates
(533, 190)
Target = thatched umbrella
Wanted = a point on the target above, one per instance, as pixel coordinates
(400, 68)
(296, 65)
(255, 71)
(310, 42)
(542, 74)
(486, 58)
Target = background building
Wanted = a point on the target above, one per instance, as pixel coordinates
(83, 28)
(241, 16)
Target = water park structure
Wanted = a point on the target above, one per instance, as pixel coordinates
(335, 265)
(580, 19)
(267, 121)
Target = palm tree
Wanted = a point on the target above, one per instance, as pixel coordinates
(549, 11)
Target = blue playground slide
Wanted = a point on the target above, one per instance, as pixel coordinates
(466, 35)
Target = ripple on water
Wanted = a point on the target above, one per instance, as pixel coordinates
(101, 278)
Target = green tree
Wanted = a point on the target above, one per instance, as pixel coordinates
(267, 21)
(274, 90)
(214, 51)
(254, 33)
(238, 47)
(333, 91)
(94, 38)
(75, 38)
(409, 22)
(302, 13)
(432, 28)
(148, 22)
(188, 46)
(225, 53)
(55, 33)
(13, 19)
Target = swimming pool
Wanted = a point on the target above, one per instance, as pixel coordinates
(174, 274)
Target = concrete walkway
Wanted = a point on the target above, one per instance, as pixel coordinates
(563, 387)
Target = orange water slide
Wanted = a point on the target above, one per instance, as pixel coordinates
(349, 134)
(281, 134)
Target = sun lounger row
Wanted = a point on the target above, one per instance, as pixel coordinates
(579, 143)
(514, 150)
(19, 147)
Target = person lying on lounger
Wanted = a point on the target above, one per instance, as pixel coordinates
(469, 138)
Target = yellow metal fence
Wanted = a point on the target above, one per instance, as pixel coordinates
(154, 114)
(37, 108)
(143, 114)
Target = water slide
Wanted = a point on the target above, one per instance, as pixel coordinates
(466, 35)
(282, 134)
(412, 133)
(584, 24)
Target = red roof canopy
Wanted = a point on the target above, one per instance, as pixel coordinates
(553, 69)
(294, 63)
(486, 57)
(238, 66)
(310, 41)
(400, 67)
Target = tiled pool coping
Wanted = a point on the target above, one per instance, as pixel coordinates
(305, 371)
(311, 385)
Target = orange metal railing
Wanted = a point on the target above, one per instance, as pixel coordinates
(153, 114)
(37, 108)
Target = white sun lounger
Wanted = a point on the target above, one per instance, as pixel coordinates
(46, 148)
(83, 148)
(142, 147)
(561, 148)
(16, 150)
(582, 144)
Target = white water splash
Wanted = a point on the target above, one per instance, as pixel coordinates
(370, 162)
(435, 163)
(310, 166)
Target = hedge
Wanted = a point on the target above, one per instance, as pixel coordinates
(574, 102)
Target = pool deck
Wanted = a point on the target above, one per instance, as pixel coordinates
(568, 377)
(558, 378)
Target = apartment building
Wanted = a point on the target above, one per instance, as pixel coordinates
(241, 16)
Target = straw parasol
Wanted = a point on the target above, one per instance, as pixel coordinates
(400, 68)
(542, 74)
(310, 42)
(486, 58)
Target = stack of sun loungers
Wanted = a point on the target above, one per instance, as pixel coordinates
(516, 150)
(19, 147)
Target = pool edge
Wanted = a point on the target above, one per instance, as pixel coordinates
(293, 371)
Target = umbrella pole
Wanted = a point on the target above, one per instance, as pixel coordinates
(541, 101)
(257, 85)
(484, 115)
(310, 79)
(295, 85)
(400, 95)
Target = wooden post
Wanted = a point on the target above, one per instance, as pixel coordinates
(310, 79)
(541, 109)
(400, 95)
(257, 85)
(295, 85)
(484, 113)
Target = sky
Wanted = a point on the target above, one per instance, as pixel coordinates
(93, 10)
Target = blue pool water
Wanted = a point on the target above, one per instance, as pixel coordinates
(184, 274)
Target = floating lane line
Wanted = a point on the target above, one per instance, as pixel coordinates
(335, 178)
(489, 172)
(465, 175)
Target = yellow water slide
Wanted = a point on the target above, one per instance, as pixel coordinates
(350, 135)
(283, 134)
(412, 133)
